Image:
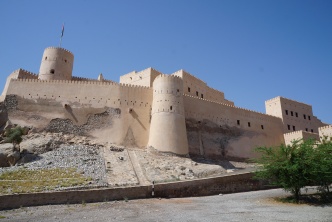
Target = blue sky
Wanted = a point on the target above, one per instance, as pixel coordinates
(251, 50)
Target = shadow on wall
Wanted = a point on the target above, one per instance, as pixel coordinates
(70, 111)
(209, 139)
(135, 116)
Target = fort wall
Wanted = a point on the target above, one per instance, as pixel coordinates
(217, 129)
(299, 135)
(19, 74)
(325, 131)
(81, 99)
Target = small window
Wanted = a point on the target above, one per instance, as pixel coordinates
(306, 129)
(293, 128)
(291, 113)
(52, 71)
(262, 126)
(188, 89)
(178, 90)
(296, 114)
(45, 57)
(196, 93)
(308, 117)
(248, 124)
(170, 107)
(202, 96)
(131, 78)
(65, 60)
(288, 126)
(286, 111)
(238, 122)
(304, 116)
(312, 130)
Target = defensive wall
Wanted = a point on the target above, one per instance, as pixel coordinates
(325, 131)
(203, 187)
(298, 135)
(220, 130)
(18, 74)
(76, 100)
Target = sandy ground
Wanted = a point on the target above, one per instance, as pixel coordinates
(249, 206)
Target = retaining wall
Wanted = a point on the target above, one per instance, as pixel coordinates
(209, 186)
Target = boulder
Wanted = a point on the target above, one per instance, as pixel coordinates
(28, 157)
(8, 155)
(39, 145)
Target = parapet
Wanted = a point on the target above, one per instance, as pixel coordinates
(53, 47)
(283, 98)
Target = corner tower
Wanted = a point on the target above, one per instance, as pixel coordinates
(168, 128)
(57, 64)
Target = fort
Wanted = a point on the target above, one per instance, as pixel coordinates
(172, 113)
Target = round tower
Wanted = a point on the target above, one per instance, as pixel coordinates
(168, 128)
(57, 63)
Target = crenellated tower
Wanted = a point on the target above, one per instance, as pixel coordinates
(168, 128)
(57, 64)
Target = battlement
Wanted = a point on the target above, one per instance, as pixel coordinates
(169, 78)
(54, 47)
(283, 98)
(188, 74)
(325, 127)
(299, 132)
(76, 78)
(224, 104)
(26, 74)
(23, 74)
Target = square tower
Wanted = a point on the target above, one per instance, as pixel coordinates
(295, 115)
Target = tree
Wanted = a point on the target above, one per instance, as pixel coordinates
(321, 169)
(289, 167)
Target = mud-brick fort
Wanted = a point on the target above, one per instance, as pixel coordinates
(176, 113)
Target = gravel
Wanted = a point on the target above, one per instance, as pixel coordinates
(88, 160)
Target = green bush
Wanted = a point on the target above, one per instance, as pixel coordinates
(14, 135)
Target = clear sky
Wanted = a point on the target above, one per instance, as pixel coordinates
(252, 50)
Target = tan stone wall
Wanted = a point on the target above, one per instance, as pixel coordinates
(18, 74)
(325, 131)
(57, 64)
(295, 115)
(168, 129)
(193, 86)
(216, 129)
(142, 78)
(84, 98)
(299, 135)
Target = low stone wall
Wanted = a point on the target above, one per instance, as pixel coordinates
(209, 186)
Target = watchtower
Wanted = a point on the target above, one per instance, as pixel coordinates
(57, 64)
(168, 128)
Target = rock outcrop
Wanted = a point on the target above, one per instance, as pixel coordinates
(8, 155)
